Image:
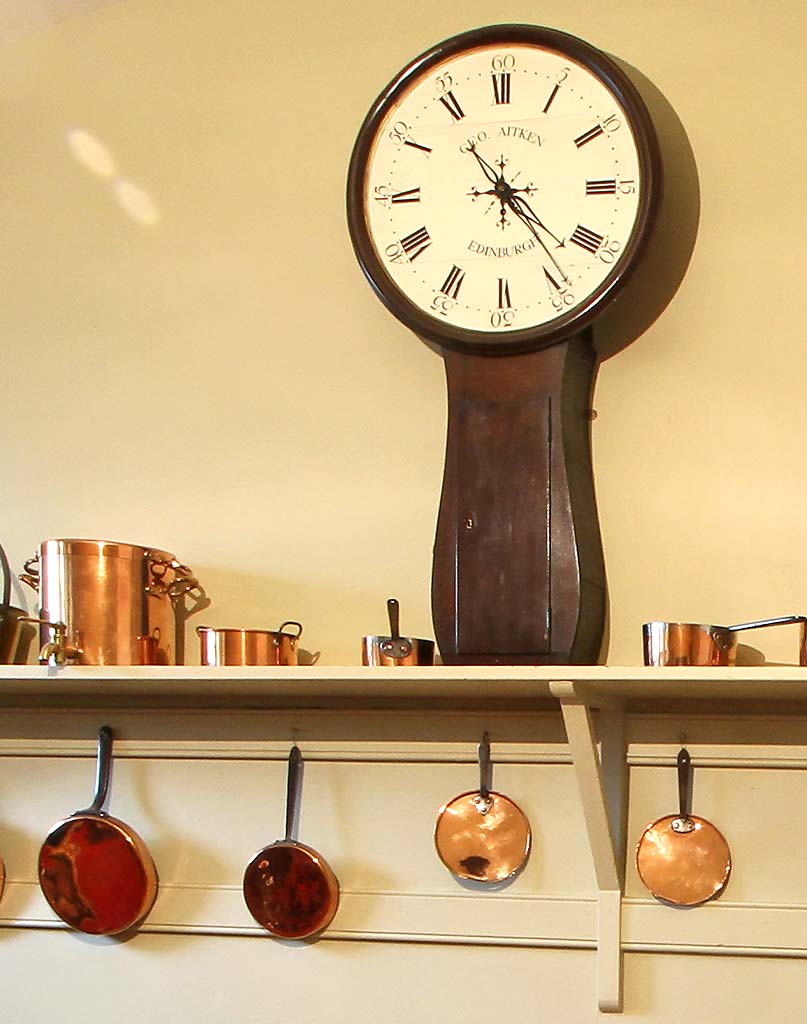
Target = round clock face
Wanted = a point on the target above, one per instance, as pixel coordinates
(501, 188)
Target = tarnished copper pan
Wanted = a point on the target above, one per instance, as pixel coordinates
(96, 872)
(482, 835)
(681, 858)
(288, 887)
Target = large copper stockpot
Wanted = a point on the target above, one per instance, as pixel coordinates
(107, 603)
(249, 646)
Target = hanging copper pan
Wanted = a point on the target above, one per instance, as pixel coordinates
(95, 871)
(681, 858)
(289, 888)
(482, 835)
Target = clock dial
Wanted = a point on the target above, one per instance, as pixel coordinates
(504, 185)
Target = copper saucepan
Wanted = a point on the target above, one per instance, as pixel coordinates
(95, 871)
(681, 858)
(250, 646)
(289, 888)
(395, 650)
(482, 835)
(690, 643)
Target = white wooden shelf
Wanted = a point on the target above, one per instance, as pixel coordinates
(593, 701)
(323, 685)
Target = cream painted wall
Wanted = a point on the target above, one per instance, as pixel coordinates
(191, 358)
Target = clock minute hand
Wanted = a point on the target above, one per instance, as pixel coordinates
(531, 220)
(523, 209)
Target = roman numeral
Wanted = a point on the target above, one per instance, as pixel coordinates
(501, 87)
(552, 95)
(601, 187)
(451, 285)
(592, 133)
(586, 238)
(417, 145)
(449, 101)
(410, 195)
(415, 243)
(504, 294)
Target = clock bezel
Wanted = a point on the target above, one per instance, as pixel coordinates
(538, 336)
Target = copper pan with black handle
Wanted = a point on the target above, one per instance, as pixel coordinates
(289, 887)
(681, 858)
(95, 871)
(694, 643)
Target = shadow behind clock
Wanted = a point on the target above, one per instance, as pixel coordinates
(545, 600)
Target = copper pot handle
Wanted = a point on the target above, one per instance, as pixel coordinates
(294, 637)
(31, 574)
(184, 582)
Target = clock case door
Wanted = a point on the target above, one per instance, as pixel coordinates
(518, 574)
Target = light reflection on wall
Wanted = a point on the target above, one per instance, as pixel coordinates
(96, 158)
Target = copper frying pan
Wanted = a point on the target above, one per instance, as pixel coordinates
(95, 871)
(482, 835)
(289, 888)
(681, 858)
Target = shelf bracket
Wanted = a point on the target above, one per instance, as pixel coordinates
(601, 772)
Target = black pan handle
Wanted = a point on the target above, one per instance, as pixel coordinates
(102, 770)
(292, 789)
(684, 822)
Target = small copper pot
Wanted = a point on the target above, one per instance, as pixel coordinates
(250, 646)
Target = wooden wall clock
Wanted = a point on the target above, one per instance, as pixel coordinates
(501, 190)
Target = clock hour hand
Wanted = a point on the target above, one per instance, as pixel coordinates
(487, 170)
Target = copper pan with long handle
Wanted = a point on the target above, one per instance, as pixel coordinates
(692, 643)
(681, 858)
(289, 887)
(94, 870)
(482, 835)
